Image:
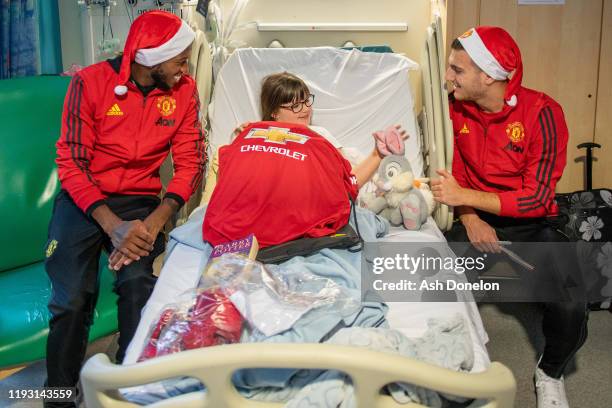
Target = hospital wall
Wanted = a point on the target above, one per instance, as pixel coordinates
(416, 13)
(567, 53)
(71, 34)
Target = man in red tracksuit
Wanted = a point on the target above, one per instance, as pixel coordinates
(510, 151)
(121, 119)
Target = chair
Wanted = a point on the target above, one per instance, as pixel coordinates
(30, 114)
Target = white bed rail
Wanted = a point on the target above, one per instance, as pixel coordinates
(214, 366)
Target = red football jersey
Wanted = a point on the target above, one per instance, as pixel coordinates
(279, 181)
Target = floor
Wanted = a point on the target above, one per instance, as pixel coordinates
(515, 335)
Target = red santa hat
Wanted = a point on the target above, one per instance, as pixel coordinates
(154, 37)
(497, 54)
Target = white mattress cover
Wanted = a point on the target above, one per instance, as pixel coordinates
(181, 272)
(356, 93)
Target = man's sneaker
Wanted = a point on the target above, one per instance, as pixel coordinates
(550, 391)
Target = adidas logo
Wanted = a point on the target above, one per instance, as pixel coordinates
(464, 129)
(114, 111)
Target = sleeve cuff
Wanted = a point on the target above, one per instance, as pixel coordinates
(505, 205)
(176, 198)
(93, 206)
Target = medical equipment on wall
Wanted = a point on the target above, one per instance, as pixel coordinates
(105, 23)
(107, 46)
(103, 3)
(219, 31)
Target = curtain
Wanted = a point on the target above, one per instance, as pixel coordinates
(19, 50)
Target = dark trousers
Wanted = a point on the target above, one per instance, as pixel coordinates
(564, 323)
(73, 270)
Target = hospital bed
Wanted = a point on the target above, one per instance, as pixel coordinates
(356, 94)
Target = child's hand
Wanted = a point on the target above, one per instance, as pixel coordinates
(391, 140)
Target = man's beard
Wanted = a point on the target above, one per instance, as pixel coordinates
(159, 80)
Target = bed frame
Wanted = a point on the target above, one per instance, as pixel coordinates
(435, 122)
(214, 366)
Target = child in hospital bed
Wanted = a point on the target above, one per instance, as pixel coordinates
(286, 98)
(278, 198)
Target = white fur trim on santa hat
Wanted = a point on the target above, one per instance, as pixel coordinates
(170, 49)
(120, 90)
(473, 45)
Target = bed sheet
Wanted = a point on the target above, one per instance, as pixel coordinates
(181, 272)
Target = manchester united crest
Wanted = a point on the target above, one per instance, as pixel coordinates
(166, 105)
(515, 132)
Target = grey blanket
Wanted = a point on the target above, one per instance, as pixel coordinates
(446, 344)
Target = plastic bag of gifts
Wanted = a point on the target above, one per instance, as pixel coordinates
(241, 300)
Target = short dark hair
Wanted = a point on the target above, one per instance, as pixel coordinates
(279, 89)
(456, 45)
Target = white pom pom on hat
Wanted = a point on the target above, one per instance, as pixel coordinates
(154, 37)
(498, 55)
(120, 90)
(512, 101)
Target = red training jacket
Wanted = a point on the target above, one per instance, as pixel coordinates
(518, 153)
(116, 144)
(279, 181)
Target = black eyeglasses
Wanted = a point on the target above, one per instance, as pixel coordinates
(299, 106)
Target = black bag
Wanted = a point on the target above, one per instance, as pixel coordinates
(586, 216)
(345, 237)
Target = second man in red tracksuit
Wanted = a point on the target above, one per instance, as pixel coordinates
(510, 151)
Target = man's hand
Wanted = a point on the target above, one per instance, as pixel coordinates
(132, 239)
(154, 223)
(159, 217)
(117, 260)
(481, 234)
(446, 190)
